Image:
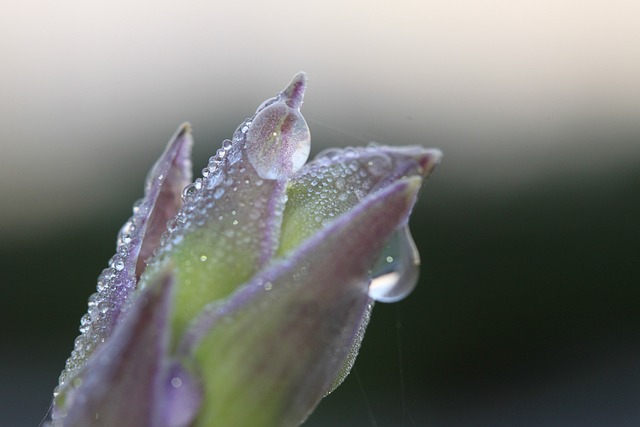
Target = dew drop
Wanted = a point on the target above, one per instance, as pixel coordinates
(136, 205)
(396, 273)
(93, 299)
(103, 306)
(278, 141)
(85, 320)
(108, 273)
(189, 191)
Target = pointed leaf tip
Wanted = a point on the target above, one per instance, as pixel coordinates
(169, 176)
(184, 129)
(429, 159)
(129, 365)
(137, 239)
(294, 92)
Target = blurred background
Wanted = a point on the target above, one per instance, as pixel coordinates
(528, 309)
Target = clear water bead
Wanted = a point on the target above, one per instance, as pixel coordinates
(189, 192)
(136, 205)
(396, 272)
(278, 141)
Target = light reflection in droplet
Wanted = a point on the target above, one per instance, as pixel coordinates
(396, 273)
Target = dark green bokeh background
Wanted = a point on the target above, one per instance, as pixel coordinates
(528, 309)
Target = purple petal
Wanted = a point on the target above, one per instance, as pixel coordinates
(285, 335)
(334, 182)
(163, 189)
(136, 241)
(117, 385)
(180, 398)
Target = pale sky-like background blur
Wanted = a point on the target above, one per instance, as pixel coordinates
(88, 88)
(527, 313)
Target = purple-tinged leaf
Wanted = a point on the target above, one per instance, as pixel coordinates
(179, 398)
(164, 185)
(252, 304)
(280, 340)
(121, 383)
(136, 241)
(229, 226)
(337, 179)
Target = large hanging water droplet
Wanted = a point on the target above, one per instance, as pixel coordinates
(395, 274)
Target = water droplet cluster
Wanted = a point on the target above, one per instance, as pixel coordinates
(333, 183)
(118, 281)
(227, 206)
(227, 228)
(233, 204)
(207, 199)
(115, 285)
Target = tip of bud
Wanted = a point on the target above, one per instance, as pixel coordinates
(184, 129)
(426, 158)
(429, 159)
(293, 94)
